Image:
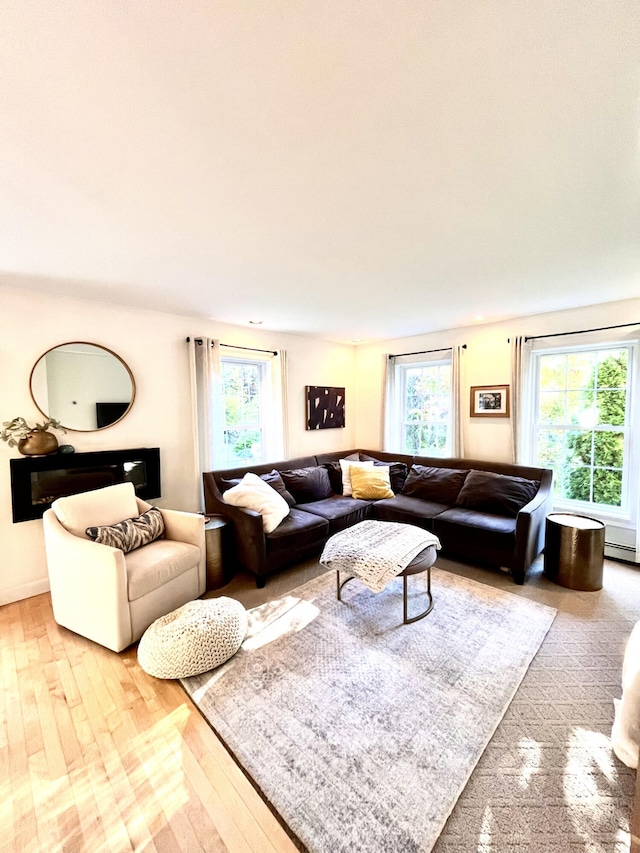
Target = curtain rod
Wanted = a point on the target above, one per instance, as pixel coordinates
(580, 331)
(235, 346)
(423, 352)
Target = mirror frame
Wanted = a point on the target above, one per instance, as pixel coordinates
(91, 344)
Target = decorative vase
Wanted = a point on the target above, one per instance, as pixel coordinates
(38, 443)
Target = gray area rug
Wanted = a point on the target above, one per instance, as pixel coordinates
(361, 732)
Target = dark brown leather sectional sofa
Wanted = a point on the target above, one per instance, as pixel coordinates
(491, 512)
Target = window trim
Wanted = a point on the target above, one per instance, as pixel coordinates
(401, 367)
(626, 515)
(263, 375)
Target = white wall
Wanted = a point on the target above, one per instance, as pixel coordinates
(486, 362)
(153, 345)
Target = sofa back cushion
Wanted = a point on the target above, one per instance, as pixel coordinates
(307, 484)
(499, 494)
(273, 478)
(440, 485)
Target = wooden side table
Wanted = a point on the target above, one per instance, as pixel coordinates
(216, 531)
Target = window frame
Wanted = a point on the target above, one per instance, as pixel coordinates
(263, 380)
(625, 515)
(401, 370)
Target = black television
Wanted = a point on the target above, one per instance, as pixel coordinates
(109, 413)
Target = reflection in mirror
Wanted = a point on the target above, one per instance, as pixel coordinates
(84, 386)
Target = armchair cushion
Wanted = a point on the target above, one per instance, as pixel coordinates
(96, 508)
(153, 567)
(131, 533)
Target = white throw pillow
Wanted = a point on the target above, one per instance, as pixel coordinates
(345, 465)
(253, 493)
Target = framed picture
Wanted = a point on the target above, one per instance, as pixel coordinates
(489, 401)
(325, 407)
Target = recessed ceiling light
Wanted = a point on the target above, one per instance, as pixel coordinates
(256, 322)
(478, 317)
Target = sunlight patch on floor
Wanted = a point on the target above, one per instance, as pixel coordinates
(530, 752)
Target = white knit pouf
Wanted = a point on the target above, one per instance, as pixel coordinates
(195, 638)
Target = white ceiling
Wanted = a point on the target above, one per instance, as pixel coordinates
(339, 168)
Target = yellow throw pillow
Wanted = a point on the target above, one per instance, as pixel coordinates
(371, 483)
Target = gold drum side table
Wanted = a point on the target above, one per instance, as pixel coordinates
(215, 533)
(574, 551)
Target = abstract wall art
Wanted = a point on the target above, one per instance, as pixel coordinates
(325, 407)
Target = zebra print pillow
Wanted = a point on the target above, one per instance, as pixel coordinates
(131, 533)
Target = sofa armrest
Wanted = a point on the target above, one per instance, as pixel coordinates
(88, 586)
(248, 531)
(530, 523)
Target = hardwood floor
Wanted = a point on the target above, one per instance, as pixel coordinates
(95, 755)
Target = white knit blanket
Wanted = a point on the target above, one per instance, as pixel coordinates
(376, 551)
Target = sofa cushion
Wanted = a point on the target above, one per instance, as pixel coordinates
(274, 479)
(307, 484)
(441, 485)
(130, 533)
(407, 510)
(253, 493)
(499, 494)
(346, 465)
(298, 530)
(371, 483)
(469, 528)
(339, 511)
(397, 471)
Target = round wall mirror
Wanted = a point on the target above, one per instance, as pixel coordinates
(84, 386)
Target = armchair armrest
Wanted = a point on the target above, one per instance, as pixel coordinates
(88, 586)
(188, 527)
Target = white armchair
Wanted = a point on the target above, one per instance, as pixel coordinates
(104, 594)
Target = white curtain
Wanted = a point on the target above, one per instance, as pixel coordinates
(457, 433)
(206, 399)
(390, 425)
(520, 360)
(276, 438)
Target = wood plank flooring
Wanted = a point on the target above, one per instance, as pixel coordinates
(95, 755)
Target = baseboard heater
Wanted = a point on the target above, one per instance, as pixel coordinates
(615, 551)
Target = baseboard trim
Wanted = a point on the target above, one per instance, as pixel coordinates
(27, 590)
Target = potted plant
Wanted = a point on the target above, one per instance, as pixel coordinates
(31, 440)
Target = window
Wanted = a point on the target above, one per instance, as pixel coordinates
(582, 423)
(243, 384)
(426, 406)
